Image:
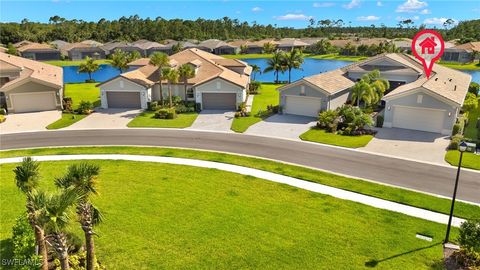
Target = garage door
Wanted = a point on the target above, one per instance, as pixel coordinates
(418, 119)
(219, 101)
(123, 100)
(306, 106)
(33, 102)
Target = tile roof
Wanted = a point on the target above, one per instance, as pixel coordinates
(146, 44)
(32, 70)
(331, 81)
(35, 46)
(471, 46)
(140, 62)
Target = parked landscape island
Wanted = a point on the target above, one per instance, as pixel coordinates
(298, 135)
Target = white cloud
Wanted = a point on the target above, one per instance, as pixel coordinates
(293, 17)
(257, 9)
(425, 11)
(414, 18)
(379, 4)
(437, 21)
(411, 6)
(323, 5)
(353, 4)
(368, 18)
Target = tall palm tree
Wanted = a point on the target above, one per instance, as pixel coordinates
(82, 178)
(293, 60)
(53, 213)
(119, 60)
(172, 77)
(362, 91)
(275, 64)
(26, 178)
(186, 72)
(255, 69)
(88, 67)
(161, 61)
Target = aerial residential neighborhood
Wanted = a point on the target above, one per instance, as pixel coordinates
(278, 135)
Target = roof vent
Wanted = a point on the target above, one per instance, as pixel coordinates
(436, 79)
(455, 88)
(450, 79)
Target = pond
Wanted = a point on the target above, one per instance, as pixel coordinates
(314, 66)
(310, 67)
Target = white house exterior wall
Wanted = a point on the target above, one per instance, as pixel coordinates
(121, 84)
(218, 85)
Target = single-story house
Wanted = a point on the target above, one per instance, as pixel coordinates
(412, 102)
(250, 46)
(288, 44)
(457, 55)
(216, 84)
(29, 86)
(110, 47)
(21, 43)
(59, 44)
(138, 63)
(39, 52)
(147, 46)
(80, 50)
(404, 44)
(219, 47)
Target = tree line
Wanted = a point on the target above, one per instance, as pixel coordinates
(133, 28)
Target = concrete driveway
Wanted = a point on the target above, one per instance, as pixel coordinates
(106, 118)
(215, 120)
(411, 144)
(34, 121)
(283, 126)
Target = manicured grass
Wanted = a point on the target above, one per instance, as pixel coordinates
(268, 96)
(321, 136)
(469, 160)
(161, 216)
(380, 191)
(83, 92)
(66, 120)
(471, 129)
(63, 63)
(248, 56)
(335, 56)
(146, 119)
(469, 66)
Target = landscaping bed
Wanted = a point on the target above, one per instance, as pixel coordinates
(64, 63)
(322, 136)
(147, 119)
(206, 218)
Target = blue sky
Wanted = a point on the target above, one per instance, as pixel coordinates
(283, 13)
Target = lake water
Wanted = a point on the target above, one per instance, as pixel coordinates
(309, 67)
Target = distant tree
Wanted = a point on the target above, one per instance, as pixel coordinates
(293, 60)
(448, 23)
(255, 69)
(161, 61)
(120, 60)
(133, 55)
(243, 48)
(186, 72)
(275, 64)
(269, 47)
(471, 102)
(178, 47)
(474, 88)
(11, 49)
(89, 66)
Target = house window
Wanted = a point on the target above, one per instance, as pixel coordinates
(218, 85)
(302, 90)
(419, 99)
(190, 93)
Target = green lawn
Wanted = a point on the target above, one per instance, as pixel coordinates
(248, 56)
(66, 120)
(161, 216)
(471, 129)
(469, 160)
(146, 119)
(469, 66)
(321, 136)
(64, 63)
(268, 96)
(83, 92)
(335, 56)
(368, 188)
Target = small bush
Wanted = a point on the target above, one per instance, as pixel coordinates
(469, 240)
(190, 104)
(165, 114)
(180, 108)
(3, 111)
(2, 118)
(471, 103)
(24, 244)
(380, 120)
(273, 109)
(176, 100)
(474, 88)
(198, 107)
(456, 139)
(67, 104)
(457, 128)
(85, 107)
(254, 87)
(152, 106)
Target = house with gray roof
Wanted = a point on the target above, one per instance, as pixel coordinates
(128, 47)
(288, 44)
(412, 102)
(80, 50)
(219, 47)
(39, 51)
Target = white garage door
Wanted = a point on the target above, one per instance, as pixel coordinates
(33, 102)
(418, 119)
(299, 105)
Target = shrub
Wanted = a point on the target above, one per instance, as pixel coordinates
(2, 118)
(254, 87)
(198, 107)
(3, 111)
(190, 104)
(470, 235)
(273, 109)
(23, 239)
(328, 120)
(456, 139)
(67, 104)
(85, 107)
(152, 106)
(380, 120)
(457, 128)
(165, 114)
(176, 100)
(474, 88)
(471, 103)
(180, 108)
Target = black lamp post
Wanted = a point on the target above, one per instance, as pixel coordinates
(462, 148)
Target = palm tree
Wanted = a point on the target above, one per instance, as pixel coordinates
(53, 213)
(275, 64)
(293, 60)
(186, 72)
(161, 61)
(362, 91)
(172, 78)
(268, 47)
(82, 178)
(133, 55)
(26, 178)
(255, 69)
(88, 67)
(119, 60)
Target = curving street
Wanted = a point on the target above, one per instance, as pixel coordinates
(409, 174)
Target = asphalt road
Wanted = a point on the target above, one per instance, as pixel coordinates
(419, 176)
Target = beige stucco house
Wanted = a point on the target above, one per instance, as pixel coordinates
(412, 102)
(219, 83)
(28, 86)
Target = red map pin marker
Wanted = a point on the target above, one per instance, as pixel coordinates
(428, 46)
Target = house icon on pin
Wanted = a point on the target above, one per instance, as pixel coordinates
(428, 45)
